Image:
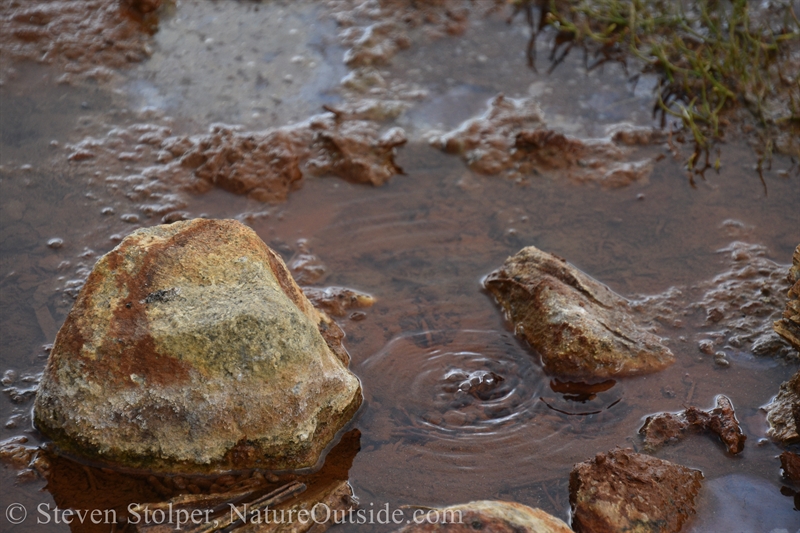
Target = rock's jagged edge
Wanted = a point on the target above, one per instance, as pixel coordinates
(581, 329)
(71, 434)
(788, 327)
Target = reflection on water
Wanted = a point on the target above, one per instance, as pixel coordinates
(457, 408)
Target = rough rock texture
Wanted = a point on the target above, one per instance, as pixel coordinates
(155, 166)
(190, 348)
(580, 328)
(87, 37)
(783, 412)
(512, 137)
(788, 327)
(625, 491)
(490, 516)
(790, 462)
(337, 300)
(660, 429)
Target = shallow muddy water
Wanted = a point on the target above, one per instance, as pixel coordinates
(456, 408)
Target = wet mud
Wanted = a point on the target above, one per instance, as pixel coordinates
(82, 39)
(456, 408)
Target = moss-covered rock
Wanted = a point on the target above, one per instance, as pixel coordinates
(191, 349)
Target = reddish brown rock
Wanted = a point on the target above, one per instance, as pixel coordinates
(788, 326)
(489, 516)
(190, 349)
(790, 462)
(666, 427)
(580, 327)
(626, 491)
(783, 412)
(662, 429)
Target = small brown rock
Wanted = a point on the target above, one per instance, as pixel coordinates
(580, 328)
(790, 462)
(626, 491)
(667, 427)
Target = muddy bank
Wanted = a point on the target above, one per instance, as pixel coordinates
(512, 139)
(155, 167)
(84, 39)
(734, 311)
(376, 31)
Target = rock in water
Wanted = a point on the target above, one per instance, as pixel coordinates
(581, 329)
(783, 412)
(788, 327)
(665, 427)
(191, 349)
(489, 516)
(626, 491)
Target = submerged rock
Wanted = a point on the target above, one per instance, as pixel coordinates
(783, 412)
(665, 427)
(626, 491)
(789, 326)
(191, 349)
(338, 300)
(580, 328)
(490, 516)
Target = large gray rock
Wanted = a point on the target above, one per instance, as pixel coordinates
(581, 329)
(191, 349)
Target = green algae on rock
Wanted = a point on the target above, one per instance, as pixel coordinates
(580, 327)
(191, 349)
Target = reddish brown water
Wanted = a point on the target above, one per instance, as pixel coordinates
(456, 408)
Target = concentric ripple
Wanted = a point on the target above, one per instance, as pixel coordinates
(457, 383)
(445, 397)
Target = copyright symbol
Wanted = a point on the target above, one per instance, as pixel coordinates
(16, 513)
